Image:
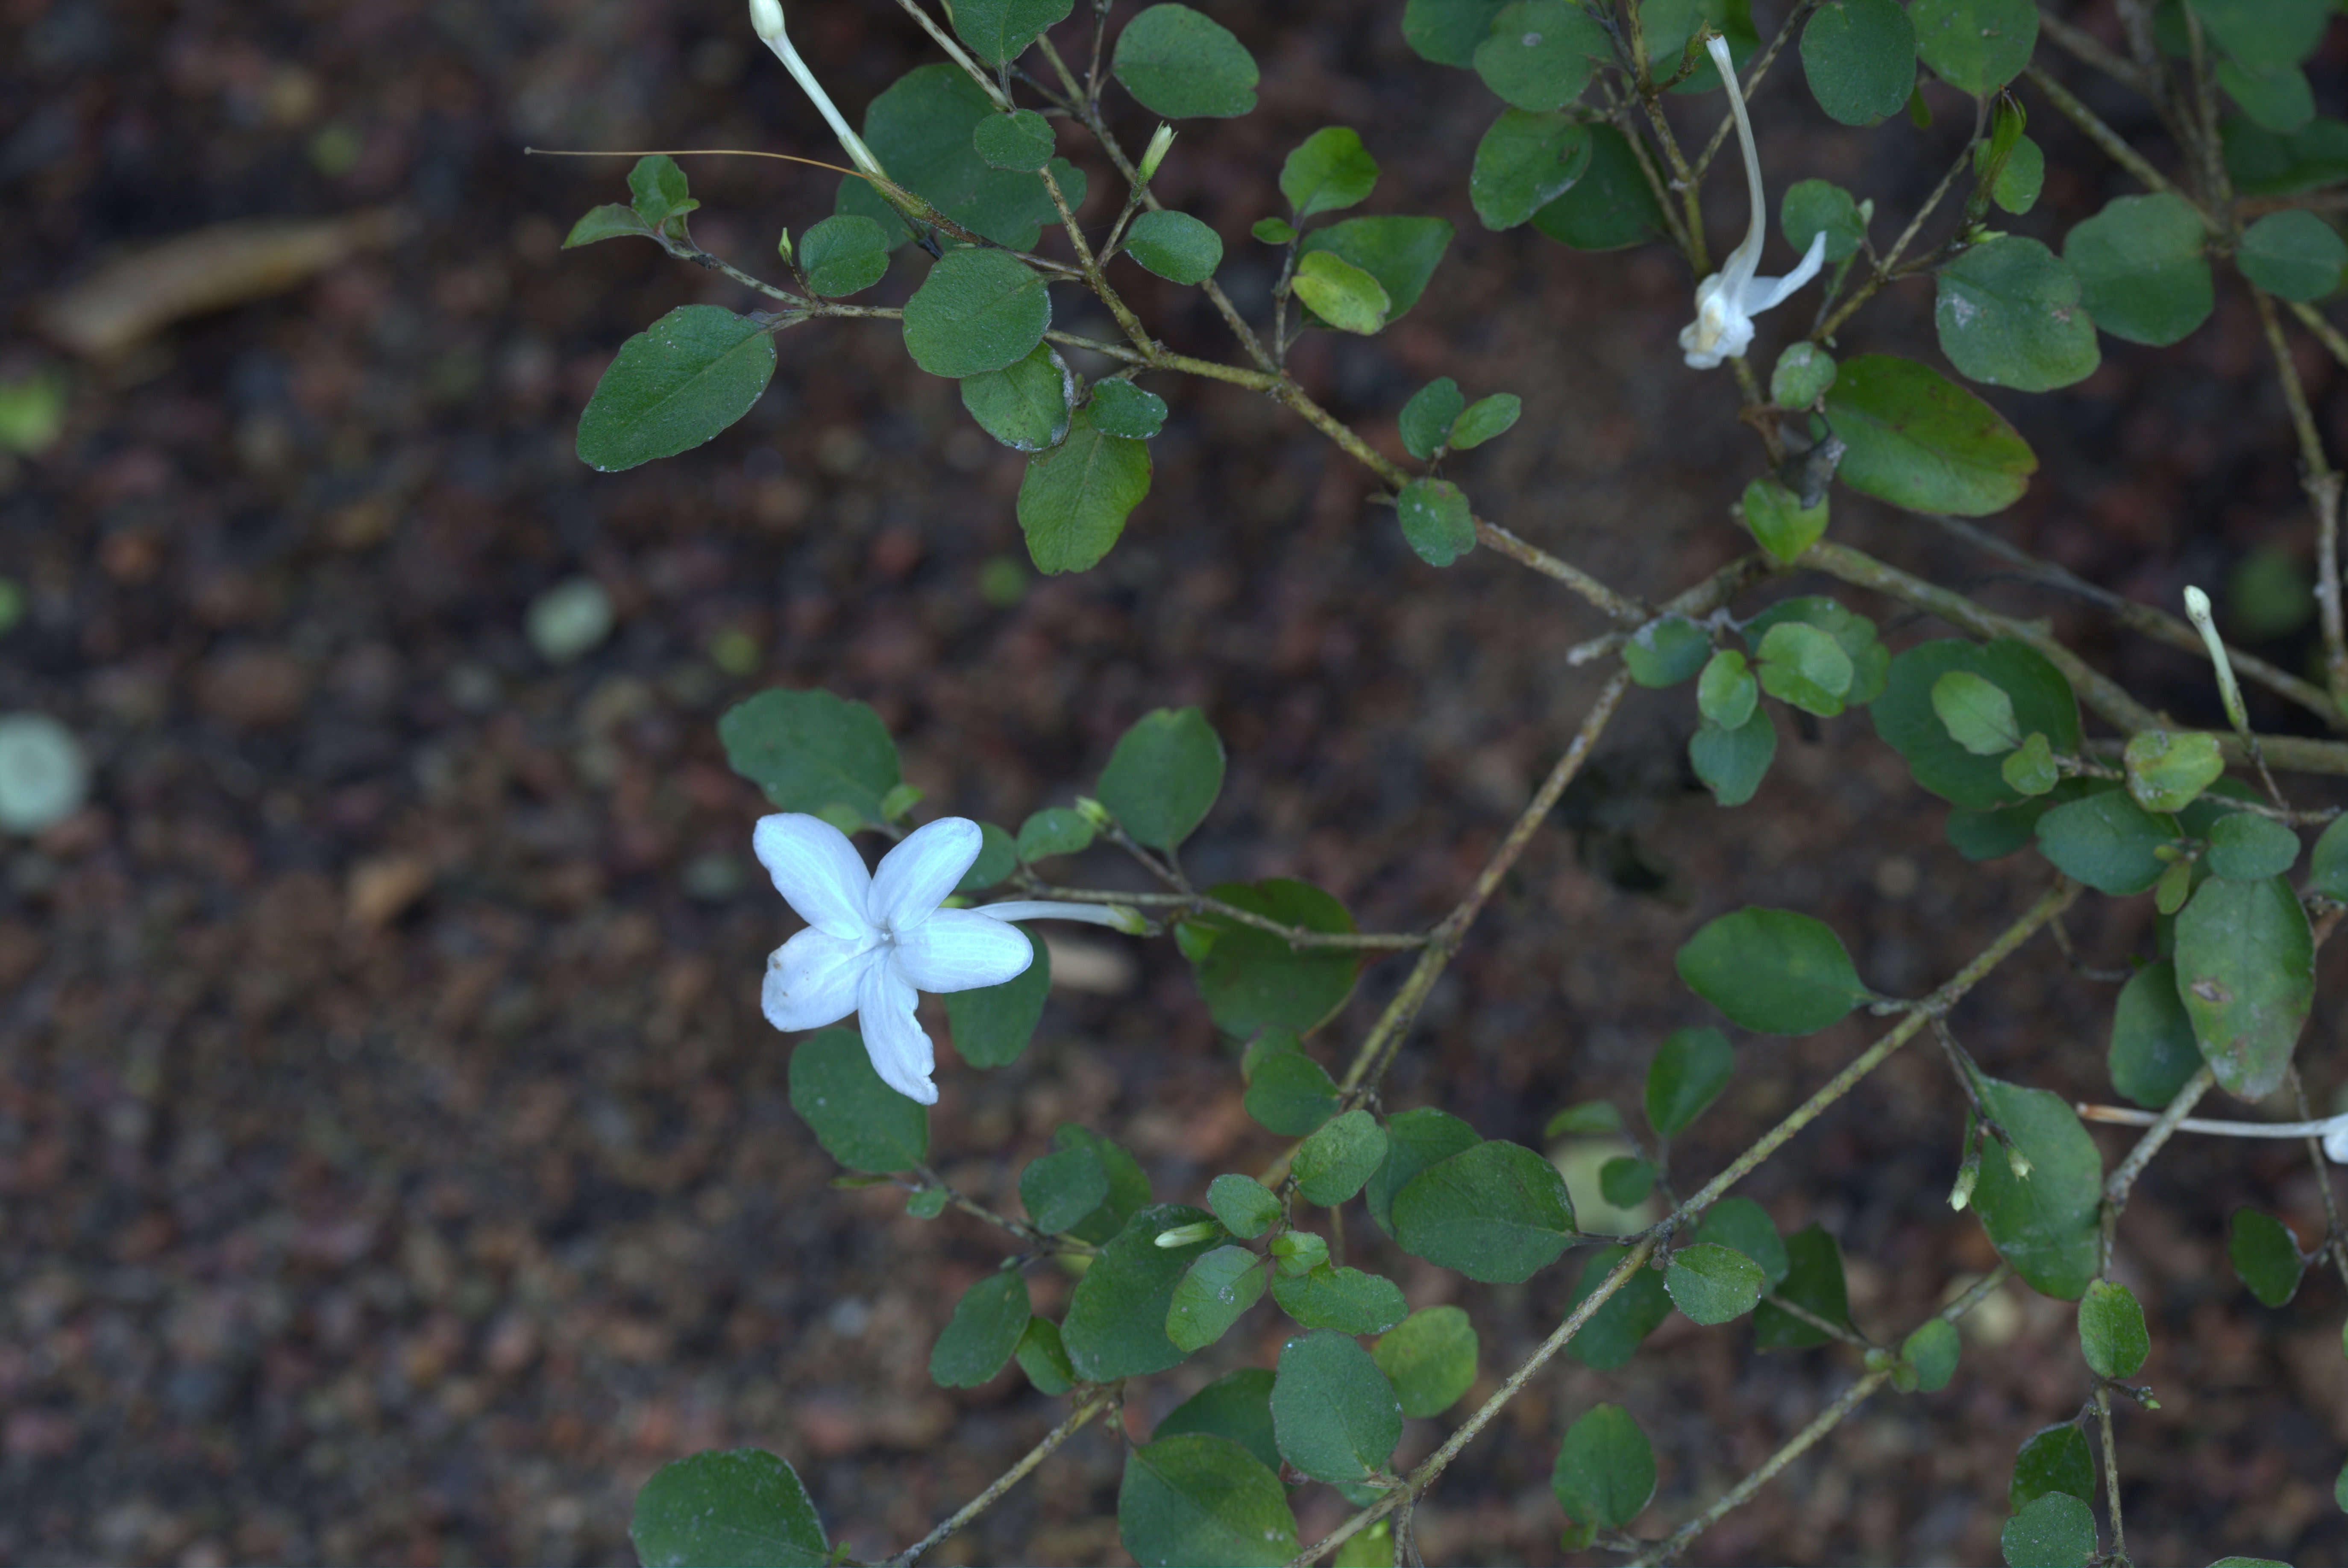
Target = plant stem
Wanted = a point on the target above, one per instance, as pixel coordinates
(1194, 903)
(2121, 1181)
(1077, 1418)
(2111, 1473)
(2321, 482)
(2109, 141)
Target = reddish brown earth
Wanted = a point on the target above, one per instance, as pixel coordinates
(394, 1166)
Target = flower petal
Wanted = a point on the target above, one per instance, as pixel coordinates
(893, 1037)
(916, 876)
(961, 949)
(816, 871)
(811, 979)
(1767, 293)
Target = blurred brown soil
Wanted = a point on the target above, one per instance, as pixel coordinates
(394, 1165)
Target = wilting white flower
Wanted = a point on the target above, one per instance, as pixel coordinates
(767, 21)
(874, 939)
(1728, 301)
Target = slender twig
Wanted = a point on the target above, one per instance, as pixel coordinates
(1036, 1240)
(1617, 605)
(1199, 903)
(2110, 142)
(1886, 269)
(1826, 1325)
(2111, 1472)
(2123, 1179)
(2086, 46)
(1077, 1418)
(2321, 481)
(2335, 1240)
(2322, 331)
(945, 41)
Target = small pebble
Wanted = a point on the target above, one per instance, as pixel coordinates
(44, 776)
(569, 620)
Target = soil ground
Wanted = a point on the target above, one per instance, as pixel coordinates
(394, 1164)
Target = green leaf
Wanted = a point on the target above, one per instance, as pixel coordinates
(743, 1506)
(1976, 712)
(2053, 1462)
(1327, 170)
(1055, 830)
(1731, 763)
(1541, 54)
(1486, 419)
(1611, 1335)
(673, 385)
(1290, 1094)
(987, 1328)
(1667, 651)
(1919, 442)
(1448, 31)
(1610, 206)
(993, 1023)
(1436, 521)
(2112, 1333)
(861, 1122)
(1744, 1224)
(608, 221)
(810, 750)
(1772, 971)
(926, 1204)
(1690, 1069)
(1116, 1322)
(2152, 1050)
(1727, 693)
(1244, 1205)
(1671, 26)
(1176, 246)
(2008, 313)
(1430, 1359)
(1605, 1470)
(2055, 1532)
(2167, 770)
(1802, 376)
(1805, 666)
(1128, 1187)
(1195, 1497)
(2292, 255)
(2020, 178)
(1272, 230)
(1178, 63)
(2280, 100)
(1061, 1188)
(1814, 1280)
(1332, 1164)
(1415, 1140)
(2030, 769)
(1931, 1353)
(841, 256)
(1216, 1291)
(1975, 46)
(999, 31)
(998, 855)
(1907, 722)
(1426, 419)
(1781, 524)
(1859, 57)
(1237, 1406)
(2265, 1256)
(1298, 1251)
(658, 187)
(1026, 403)
(1043, 1359)
(2265, 34)
(1588, 1119)
(2327, 868)
(977, 311)
(2265, 164)
(923, 129)
(1164, 776)
(1073, 498)
(2246, 974)
(1497, 1212)
(1341, 294)
(1345, 1300)
(1524, 162)
(1022, 141)
(2244, 848)
(1402, 253)
(1252, 977)
(1712, 1284)
(1625, 1181)
(1333, 1414)
(2044, 1223)
(1121, 409)
(1814, 207)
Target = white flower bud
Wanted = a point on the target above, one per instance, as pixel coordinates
(1155, 153)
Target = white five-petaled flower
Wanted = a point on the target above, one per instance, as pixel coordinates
(873, 939)
(1728, 301)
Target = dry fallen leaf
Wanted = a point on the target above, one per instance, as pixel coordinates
(381, 889)
(212, 268)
